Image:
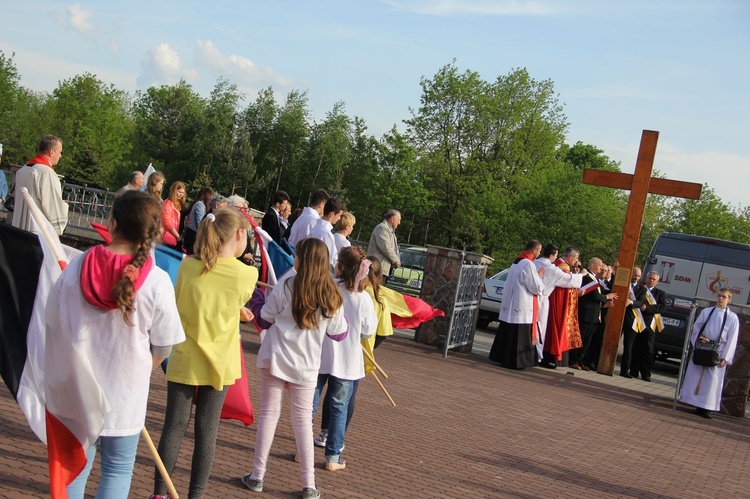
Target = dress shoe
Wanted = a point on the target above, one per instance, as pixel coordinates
(547, 365)
(583, 368)
(575, 366)
(633, 374)
(704, 413)
(647, 378)
(626, 375)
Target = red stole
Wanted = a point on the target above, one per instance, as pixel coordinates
(40, 159)
(535, 316)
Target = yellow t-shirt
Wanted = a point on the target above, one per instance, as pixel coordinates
(209, 306)
(385, 327)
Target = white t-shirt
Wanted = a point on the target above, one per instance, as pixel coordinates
(289, 352)
(341, 242)
(344, 359)
(119, 354)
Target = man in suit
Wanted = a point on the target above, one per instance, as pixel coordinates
(590, 301)
(383, 244)
(655, 301)
(631, 326)
(271, 222)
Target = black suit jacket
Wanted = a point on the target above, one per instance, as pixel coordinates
(661, 303)
(640, 298)
(590, 304)
(272, 225)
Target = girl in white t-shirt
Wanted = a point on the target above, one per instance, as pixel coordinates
(112, 317)
(342, 364)
(303, 308)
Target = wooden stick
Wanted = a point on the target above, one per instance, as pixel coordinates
(262, 284)
(700, 380)
(159, 464)
(383, 388)
(372, 359)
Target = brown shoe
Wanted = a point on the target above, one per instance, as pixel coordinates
(575, 366)
(584, 368)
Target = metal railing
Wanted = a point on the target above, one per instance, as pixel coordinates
(87, 205)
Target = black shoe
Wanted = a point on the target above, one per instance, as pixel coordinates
(704, 413)
(633, 374)
(626, 375)
(548, 365)
(647, 378)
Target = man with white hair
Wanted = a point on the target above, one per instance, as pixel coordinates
(137, 179)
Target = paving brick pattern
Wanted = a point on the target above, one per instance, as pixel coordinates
(463, 428)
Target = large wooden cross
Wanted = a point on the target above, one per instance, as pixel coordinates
(640, 185)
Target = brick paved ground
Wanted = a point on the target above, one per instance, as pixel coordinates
(463, 428)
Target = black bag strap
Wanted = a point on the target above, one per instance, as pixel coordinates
(723, 323)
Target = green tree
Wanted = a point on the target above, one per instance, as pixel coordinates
(170, 121)
(708, 216)
(94, 122)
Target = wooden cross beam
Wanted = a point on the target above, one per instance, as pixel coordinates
(640, 185)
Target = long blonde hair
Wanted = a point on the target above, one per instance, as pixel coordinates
(214, 231)
(153, 180)
(313, 287)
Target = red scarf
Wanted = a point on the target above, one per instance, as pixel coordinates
(40, 159)
(101, 270)
(530, 257)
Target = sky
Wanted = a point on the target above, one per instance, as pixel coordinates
(680, 67)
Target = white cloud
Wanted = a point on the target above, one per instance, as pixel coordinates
(473, 7)
(723, 172)
(236, 68)
(163, 65)
(41, 71)
(79, 19)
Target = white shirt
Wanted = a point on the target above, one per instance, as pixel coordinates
(289, 352)
(343, 359)
(341, 242)
(323, 231)
(303, 225)
(119, 354)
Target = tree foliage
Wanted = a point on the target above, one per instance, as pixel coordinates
(481, 164)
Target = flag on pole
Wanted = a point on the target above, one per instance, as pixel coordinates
(146, 175)
(408, 312)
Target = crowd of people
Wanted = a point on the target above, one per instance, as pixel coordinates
(317, 319)
(554, 312)
(125, 312)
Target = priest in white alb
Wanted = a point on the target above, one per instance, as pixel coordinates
(515, 342)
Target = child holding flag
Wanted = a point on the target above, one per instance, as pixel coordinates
(302, 309)
(116, 311)
(211, 289)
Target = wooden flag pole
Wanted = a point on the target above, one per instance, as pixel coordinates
(372, 359)
(42, 223)
(383, 388)
(159, 464)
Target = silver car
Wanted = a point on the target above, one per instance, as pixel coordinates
(492, 295)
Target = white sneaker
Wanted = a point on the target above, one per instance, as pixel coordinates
(320, 440)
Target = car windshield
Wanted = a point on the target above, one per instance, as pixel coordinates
(413, 259)
(500, 276)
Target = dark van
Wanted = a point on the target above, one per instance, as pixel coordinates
(691, 267)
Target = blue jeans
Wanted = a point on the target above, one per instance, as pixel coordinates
(117, 461)
(341, 392)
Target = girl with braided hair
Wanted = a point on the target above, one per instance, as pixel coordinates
(212, 289)
(118, 310)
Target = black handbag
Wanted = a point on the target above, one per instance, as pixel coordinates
(706, 354)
